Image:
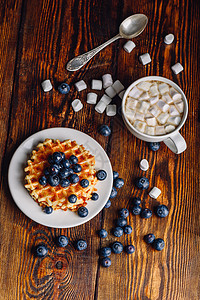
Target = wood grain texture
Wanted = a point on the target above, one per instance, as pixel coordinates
(38, 38)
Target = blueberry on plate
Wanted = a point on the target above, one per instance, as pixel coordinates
(136, 201)
(84, 183)
(53, 180)
(54, 169)
(74, 178)
(105, 251)
(66, 164)
(46, 172)
(124, 213)
(95, 196)
(113, 193)
(118, 183)
(158, 244)
(64, 173)
(127, 229)
(104, 130)
(82, 211)
(115, 174)
(101, 175)
(43, 180)
(73, 160)
(142, 183)
(106, 262)
(57, 157)
(81, 245)
(108, 204)
(50, 159)
(121, 222)
(161, 211)
(117, 247)
(76, 168)
(103, 233)
(118, 231)
(136, 210)
(154, 146)
(63, 155)
(64, 182)
(48, 210)
(41, 251)
(62, 241)
(149, 238)
(146, 213)
(72, 198)
(129, 249)
(64, 88)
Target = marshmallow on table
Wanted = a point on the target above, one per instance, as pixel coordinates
(166, 97)
(135, 92)
(77, 105)
(159, 130)
(145, 58)
(155, 192)
(150, 130)
(169, 38)
(91, 98)
(129, 46)
(118, 86)
(144, 165)
(169, 128)
(144, 85)
(46, 85)
(162, 118)
(163, 105)
(111, 110)
(153, 100)
(140, 125)
(100, 107)
(107, 80)
(110, 92)
(177, 68)
(163, 88)
(154, 90)
(154, 111)
(121, 94)
(96, 84)
(174, 120)
(151, 121)
(179, 105)
(106, 99)
(174, 94)
(80, 85)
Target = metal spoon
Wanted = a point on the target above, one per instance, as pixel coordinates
(129, 28)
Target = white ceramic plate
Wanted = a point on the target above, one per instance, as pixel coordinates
(58, 219)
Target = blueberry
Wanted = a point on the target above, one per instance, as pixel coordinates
(121, 222)
(127, 229)
(64, 88)
(95, 196)
(103, 233)
(117, 247)
(118, 231)
(53, 180)
(46, 172)
(62, 241)
(129, 249)
(82, 211)
(146, 213)
(104, 130)
(106, 262)
(50, 159)
(115, 174)
(154, 146)
(64, 173)
(66, 164)
(124, 213)
(81, 245)
(84, 183)
(101, 175)
(41, 251)
(74, 178)
(63, 155)
(113, 193)
(48, 210)
(64, 182)
(136, 201)
(54, 169)
(73, 159)
(149, 238)
(158, 244)
(118, 183)
(76, 168)
(162, 211)
(57, 157)
(136, 210)
(108, 204)
(105, 251)
(142, 183)
(43, 180)
(72, 198)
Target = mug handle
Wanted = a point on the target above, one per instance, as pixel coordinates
(176, 143)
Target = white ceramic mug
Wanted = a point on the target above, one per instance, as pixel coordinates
(174, 139)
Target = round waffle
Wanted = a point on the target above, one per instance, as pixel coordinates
(57, 197)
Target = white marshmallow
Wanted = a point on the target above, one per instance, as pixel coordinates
(173, 111)
(139, 116)
(144, 85)
(169, 38)
(110, 92)
(153, 100)
(131, 103)
(163, 88)
(144, 96)
(111, 110)
(169, 128)
(91, 98)
(118, 86)
(121, 94)
(107, 80)
(159, 130)
(163, 105)
(140, 126)
(100, 107)
(46, 85)
(174, 94)
(143, 106)
(166, 97)
(177, 68)
(80, 85)
(129, 46)
(144, 165)
(154, 111)
(155, 192)
(150, 130)
(135, 92)
(130, 116)
(179, 105)
(151, 121)
(174, 120)
(77, 105)
(96, 84)
(106, 99)
(162, 118)
(145, 58)
(154, 90)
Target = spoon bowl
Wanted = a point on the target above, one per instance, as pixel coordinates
(133, 26)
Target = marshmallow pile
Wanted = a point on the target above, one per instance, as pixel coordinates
(154, 107)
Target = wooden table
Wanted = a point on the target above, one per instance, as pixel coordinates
(37, 39)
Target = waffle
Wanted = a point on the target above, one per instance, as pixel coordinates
(57, 197)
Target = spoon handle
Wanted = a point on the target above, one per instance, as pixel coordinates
(79, 61)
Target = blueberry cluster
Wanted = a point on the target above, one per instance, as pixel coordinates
(117, 184)
(121, 224)
(157, 244)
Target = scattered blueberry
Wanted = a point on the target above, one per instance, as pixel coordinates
(115, 174)
(84, 183)
(158, 244)
(46, 172)
(72, 198)
(57, 157)
(43, 180)
(82, 211)
(104, 130)
(95, 196)
(53, 180)
(162, 211)
(76, 168)
(113, 193)
(136, 210)
(66, 164)
(41, 250)
(48, 210)
(124, 213)
(121, 222)
(108, 204)
(136, 201)
(142, 183)
(103, 233)
(101, 175)
(54, 169)
(64, 88)
(106, 262)
(117, 247)
(105, 251)
(64, 173)
(74, 178)
(118, 183)
(146, 213)
(81, 245)
(73, 159)
(149, 238)
(127, 229)
(154, 146)
(129, 249)
(118, 231)
(65, 182)
(62, 241)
